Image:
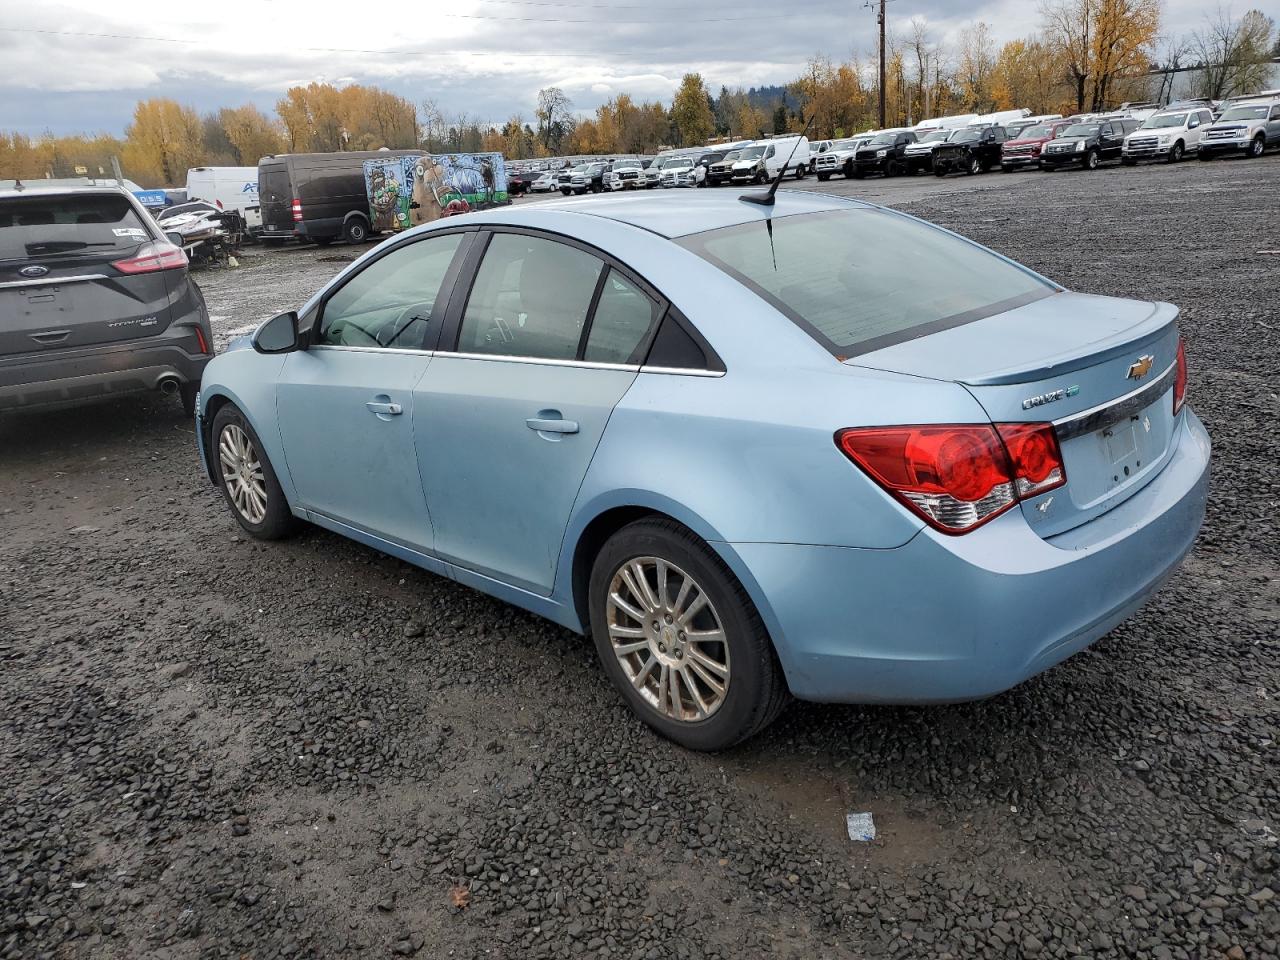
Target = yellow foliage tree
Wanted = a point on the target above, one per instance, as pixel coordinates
(162, 143)
(251, 134)
(692, 111)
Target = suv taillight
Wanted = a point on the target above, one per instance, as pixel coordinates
(153, 256)
(1180, 379)
(297, 210)
(958, 476)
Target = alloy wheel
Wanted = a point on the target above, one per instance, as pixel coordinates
(668, 639)
(242, 473)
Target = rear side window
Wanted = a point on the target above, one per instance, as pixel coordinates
(622, 318)
(859, 280)
(34, 227)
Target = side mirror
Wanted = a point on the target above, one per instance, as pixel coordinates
(278, 335)
(1193, 124)
(175, 239)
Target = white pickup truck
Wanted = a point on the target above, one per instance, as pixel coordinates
(1168, 135)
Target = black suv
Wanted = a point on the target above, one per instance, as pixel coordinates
(94, 300)
(884, 153)
(1087, 143)
(971, 150)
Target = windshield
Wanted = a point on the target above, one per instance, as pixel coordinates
(1165, 120)
(859, 280)
(752, 153)
(1246, 113)
(935, 136)
(32, 227)
(731, 155)
(967, 136)
(1039, 131)
(682, 162)
(1081, 130)
(884, 140)
(849, 144)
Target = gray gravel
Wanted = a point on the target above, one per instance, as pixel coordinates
(213, 748)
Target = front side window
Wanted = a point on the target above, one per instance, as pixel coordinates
(390, 302)
(859, 280)
(530, 299)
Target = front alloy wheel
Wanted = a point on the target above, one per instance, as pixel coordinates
(668, 639)
(1258, 147)
(242, 473)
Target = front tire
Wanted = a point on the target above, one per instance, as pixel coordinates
(1258, 146)
(975, 167)
(680, 638)
(1175, 153)
(248, 482)
(824, 177)
(1090, 161)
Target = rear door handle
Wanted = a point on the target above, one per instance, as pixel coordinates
(552, 426)
(385, 409)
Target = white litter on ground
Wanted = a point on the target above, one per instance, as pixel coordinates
(861, 826)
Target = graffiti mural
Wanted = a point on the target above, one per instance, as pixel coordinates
(408, 191)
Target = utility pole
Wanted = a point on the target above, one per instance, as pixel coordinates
(880, 20)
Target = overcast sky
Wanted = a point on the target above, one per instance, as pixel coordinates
(78, 65)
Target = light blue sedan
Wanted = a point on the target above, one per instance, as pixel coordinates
(817, 449)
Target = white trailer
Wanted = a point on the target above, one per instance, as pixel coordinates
(229, 188)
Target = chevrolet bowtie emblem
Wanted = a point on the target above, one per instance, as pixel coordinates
(1141, 367)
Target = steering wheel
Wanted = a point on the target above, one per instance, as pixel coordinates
(391, 332)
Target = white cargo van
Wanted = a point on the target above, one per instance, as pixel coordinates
(761, 161)
(231, 188)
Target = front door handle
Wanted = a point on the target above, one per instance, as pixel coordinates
(384, 409)
(552, 426)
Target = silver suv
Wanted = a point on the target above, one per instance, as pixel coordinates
(94, 300)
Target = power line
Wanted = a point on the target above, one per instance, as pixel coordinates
(499, 54)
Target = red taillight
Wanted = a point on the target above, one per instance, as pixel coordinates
(1034, 454)
(1180, 380)
(153, 256)
(297, 210)
(201, 341)
(957, 477)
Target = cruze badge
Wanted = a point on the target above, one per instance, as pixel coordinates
(1141, 367)
(1050, 397)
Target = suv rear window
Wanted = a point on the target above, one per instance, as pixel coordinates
(860, 280)
(41, 226)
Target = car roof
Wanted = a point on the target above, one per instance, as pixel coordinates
(671, 216)
(37, 191)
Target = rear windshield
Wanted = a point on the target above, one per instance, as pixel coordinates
(33, 227)
(859, 280)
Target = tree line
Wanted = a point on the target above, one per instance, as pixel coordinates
(1088, 55)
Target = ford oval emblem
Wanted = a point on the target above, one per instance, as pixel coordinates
(35, 270)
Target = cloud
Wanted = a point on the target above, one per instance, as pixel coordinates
(80, 65)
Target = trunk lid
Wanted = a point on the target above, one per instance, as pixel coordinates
(58, 288)
(1101, 369)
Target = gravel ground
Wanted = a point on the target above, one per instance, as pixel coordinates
(217, 748)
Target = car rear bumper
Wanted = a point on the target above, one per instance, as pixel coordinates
(105, 370)
(943, 619)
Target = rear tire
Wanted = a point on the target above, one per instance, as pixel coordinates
(355, 230)
(801, 172)
(263, 513)
(752, 690)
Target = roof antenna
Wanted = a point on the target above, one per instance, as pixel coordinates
(766, 199)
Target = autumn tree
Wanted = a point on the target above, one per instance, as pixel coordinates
(691, 110)
(251, 134)
(1100, 42)
(1235, 53)
(976, 70)
(162, 142)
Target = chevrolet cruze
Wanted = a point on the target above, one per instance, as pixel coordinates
(815, 449)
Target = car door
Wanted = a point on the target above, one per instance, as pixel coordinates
(345, 404)
(1273, 126)
(546, 344)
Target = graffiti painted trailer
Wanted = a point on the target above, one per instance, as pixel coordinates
(406, 191)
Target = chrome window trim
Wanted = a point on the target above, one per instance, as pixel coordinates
(354, 349)
(1113, 411)
(682, 371)
(543, 361)
(51, 281)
